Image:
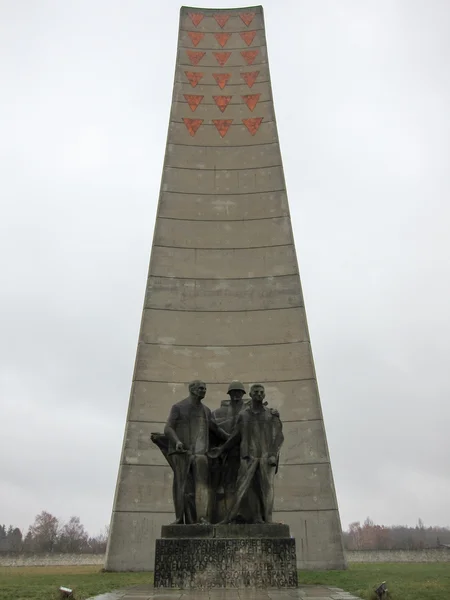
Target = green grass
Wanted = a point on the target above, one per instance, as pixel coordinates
(405, 581)
(42, 583)
(411, 581)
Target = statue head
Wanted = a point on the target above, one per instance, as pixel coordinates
(197, 388)
(236, 391)
(257, 392)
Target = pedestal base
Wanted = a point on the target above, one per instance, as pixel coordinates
(225, 556)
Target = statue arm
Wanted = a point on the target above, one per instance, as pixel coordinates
(278, 437)
(235, 436)
(218, 431)
(169, 429)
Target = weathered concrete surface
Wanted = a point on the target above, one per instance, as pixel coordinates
(304, 592)
(223, 297)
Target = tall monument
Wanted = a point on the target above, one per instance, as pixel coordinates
(223, 297)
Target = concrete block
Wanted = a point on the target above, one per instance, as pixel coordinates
(219, 328)
(245, 263)
(200, 157)
(296, 400)
(220, 364)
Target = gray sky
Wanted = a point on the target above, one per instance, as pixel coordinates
(362, 96)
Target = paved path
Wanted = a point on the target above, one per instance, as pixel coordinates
(304, 592)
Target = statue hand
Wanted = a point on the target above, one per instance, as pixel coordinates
(179, 447)
(214, 453)
(274, 412)
(272, 460)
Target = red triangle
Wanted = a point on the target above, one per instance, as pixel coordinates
(221, 79)
(247, 36)
(222, 37)
(252, 124)
(222, 101)
(192, 125)
(221, 19)
(250, 78)
(195, 57)
(193, 77)
(222, 125)
(249, 55)
(196, 18)
(222, 57)
(193, 101)
(251, 100)
(197, 36)
(247, 17)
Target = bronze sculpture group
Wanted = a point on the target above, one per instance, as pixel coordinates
(224, 461)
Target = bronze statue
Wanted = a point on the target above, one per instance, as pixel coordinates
(185, 444)
(258, 432)
(224, 470)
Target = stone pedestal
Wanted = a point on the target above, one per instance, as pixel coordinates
(225, 556)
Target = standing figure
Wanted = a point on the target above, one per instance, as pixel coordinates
(224, 470)
(258, 432)
(185, 444)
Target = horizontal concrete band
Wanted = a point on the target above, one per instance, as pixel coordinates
(217, 364)
(209, 112)
(149, 487)
(279, 512)
(206, 328)
(234, 263)
(296, 400)
(304, 444)
(237, 135)
(173, 233)
(208, 45)
(262, 205)
(227, 158)
(224, 295)
(220, 181)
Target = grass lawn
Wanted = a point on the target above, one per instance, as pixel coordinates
(405, 581)
(430, 581)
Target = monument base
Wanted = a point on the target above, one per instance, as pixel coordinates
(225, 556)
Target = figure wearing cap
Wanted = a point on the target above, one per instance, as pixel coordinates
(224, 470)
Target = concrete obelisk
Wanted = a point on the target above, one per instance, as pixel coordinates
(223, 298)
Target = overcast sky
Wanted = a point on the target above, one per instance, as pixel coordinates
(362, 97)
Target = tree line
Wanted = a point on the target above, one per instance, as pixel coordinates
(49, 534)
(370, 536)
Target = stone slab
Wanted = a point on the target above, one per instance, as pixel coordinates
(272, 530)
(195, 563)
(301, 593)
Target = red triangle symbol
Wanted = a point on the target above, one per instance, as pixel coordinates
(196, 18)
(247, 36)
(222, 37)
(221, 19)
(196, 37)
(251, 100)
(222, 57)
(221, 79)
(250, 78)
(195, 57)
(192, 125)
(193, 101)
(247, 17)
(222, 101)
(252, 124)
(193, 77)
(222, 125)
(249, 56)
